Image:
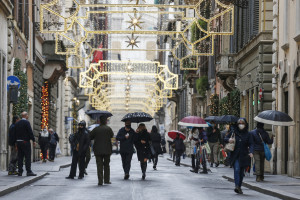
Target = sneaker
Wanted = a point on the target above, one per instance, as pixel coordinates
(238, 190)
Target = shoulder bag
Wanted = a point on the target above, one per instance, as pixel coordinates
(230, 146)
(268, 154)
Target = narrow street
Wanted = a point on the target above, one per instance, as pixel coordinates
(168, 182)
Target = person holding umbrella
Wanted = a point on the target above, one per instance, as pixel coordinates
(260, 136)
(142, 145)
(241, 156)
(194, 138)
(126, 137)
(214, 141)
(179, 148)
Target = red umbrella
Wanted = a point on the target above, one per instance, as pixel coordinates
(193, 121)
(173, 134)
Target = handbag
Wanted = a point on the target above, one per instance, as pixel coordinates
(230, 146)
(208, 150)
(267, 151)
(224, 153)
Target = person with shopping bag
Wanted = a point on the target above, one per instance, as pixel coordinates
(240, 143)
(260, 138)
(214, 141)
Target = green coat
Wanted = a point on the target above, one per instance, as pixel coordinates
(102, 140)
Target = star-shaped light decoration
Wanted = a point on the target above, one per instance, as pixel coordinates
(132, 41)
(137, 1)
(135, 21)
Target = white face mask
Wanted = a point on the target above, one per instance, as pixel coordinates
(241, 126)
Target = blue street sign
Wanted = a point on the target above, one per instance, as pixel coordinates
(69, 118)
(13, 80)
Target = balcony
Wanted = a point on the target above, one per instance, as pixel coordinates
(226, 71)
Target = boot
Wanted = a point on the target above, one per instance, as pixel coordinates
(258, 178)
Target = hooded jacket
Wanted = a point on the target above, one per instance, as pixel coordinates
(258, 143)
(243, 146)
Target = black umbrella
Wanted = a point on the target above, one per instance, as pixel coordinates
(96, 114)
(212, 118)
(137, 117)
(226, 119)
(274, 117)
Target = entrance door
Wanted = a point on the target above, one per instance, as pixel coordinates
(286, 134)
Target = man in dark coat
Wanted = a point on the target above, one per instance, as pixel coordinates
(259, 136)
(12, 167)
(81, 142)
(240, 158)
(54, 139)
(214, 141)
(23, 134)
(179, 148)
(102, 147)
(126, 137)
(156, 143)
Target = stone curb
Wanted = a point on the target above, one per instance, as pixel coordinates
(268, 191)
(16, 186)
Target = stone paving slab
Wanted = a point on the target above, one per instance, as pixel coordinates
(12, 183)
(280, 186)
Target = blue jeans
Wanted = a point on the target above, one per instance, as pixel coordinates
(238, 174)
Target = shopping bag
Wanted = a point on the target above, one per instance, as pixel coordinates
(206, 145)
(268, 154)
(224, 153)
(58, 151)
(230, 146)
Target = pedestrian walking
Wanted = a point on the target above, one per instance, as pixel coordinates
(87, 159)
(80, 142)
(23, 134)
(260, 136)
(179, 149)
(12, 167)
(126, 137)
(54, 140)
(194, 140)
(214, 141)
(102, 147)
(243, 152)
(142, 145)
(156, 143)
(43, 140)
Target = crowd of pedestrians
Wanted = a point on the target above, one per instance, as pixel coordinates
(237, 144)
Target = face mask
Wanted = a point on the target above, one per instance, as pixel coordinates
(241, 126)
(128, 126)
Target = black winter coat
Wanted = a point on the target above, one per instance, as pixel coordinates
(143, 150)
(243, 146)
(82, 138)
(258, 145)
(179, 145)
(23, 131)
(214, 137)
(126, 145)
(156, 142)
(11, 135)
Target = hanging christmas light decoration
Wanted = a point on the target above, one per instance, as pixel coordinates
(45, 105)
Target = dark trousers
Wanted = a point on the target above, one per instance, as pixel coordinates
(76, 159)
(52, 149)
(44, 148)
(12, 167)
(143, 167)
(24, 151)
(103, 162)
(155, 160)
(177, 155)
(126, 162)
(259, 157)
(193, 160)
